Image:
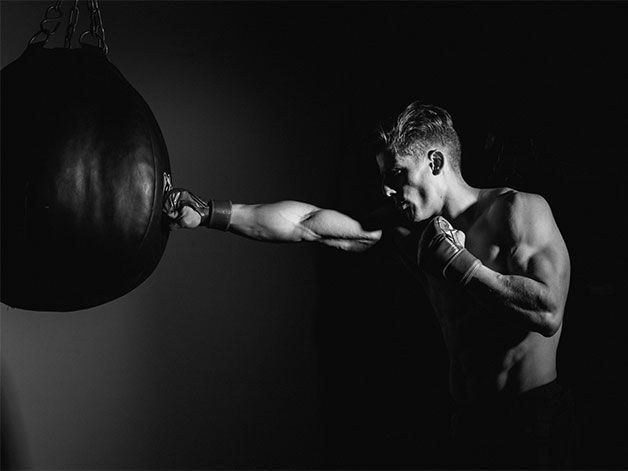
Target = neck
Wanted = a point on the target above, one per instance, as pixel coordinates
(458, 201)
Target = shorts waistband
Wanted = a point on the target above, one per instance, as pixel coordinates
(545, 392)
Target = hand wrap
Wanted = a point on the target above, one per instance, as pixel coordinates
(442, 254)
(215, 214)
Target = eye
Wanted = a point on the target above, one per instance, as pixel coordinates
(393, 176)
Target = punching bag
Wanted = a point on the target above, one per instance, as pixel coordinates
(84, 172)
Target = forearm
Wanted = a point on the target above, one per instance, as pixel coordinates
(527, 301)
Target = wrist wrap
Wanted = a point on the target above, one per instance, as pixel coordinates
(219, 215)
(460, 267)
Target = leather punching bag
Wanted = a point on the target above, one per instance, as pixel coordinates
(84, 171)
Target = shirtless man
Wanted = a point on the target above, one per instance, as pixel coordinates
(493, 264)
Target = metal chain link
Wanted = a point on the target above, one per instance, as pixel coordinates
(53, 15)
(74, 17)
(96, 29)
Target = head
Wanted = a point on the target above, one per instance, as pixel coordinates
(419, 160)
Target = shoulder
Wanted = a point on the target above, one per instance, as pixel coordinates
(520, 215)
(513, 203)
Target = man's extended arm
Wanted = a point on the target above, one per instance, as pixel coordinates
(285, 221)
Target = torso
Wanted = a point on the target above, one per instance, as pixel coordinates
(488, 354)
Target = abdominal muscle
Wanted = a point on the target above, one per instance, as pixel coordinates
(489, 357)
(490, 354)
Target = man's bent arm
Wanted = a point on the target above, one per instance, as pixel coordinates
(535, 290)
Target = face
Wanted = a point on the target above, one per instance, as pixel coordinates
(410, 182)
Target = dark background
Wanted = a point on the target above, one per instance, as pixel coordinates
(236, 354)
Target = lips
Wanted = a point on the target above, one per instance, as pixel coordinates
(402, 205)
(406, 208)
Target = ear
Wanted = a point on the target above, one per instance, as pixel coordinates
(437, 161)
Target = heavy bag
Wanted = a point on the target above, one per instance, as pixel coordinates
(84, 171)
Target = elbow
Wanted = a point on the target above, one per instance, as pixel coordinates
(550, 324)
(550, 315)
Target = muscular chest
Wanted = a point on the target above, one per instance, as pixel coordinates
(487, 245)
(450, 302)
(457, 310)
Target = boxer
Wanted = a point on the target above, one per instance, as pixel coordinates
(492, 262)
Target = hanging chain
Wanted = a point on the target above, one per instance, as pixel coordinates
(53, 15)
(96, 29)
(74, 16)
(52, 20)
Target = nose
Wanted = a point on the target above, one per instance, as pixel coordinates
(388, 191)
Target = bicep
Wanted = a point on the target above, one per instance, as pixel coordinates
(538, 250)
(546, 264)
(339, 230)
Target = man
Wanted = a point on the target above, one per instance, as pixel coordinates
(493, 264)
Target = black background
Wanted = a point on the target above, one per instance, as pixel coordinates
(266, 101)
